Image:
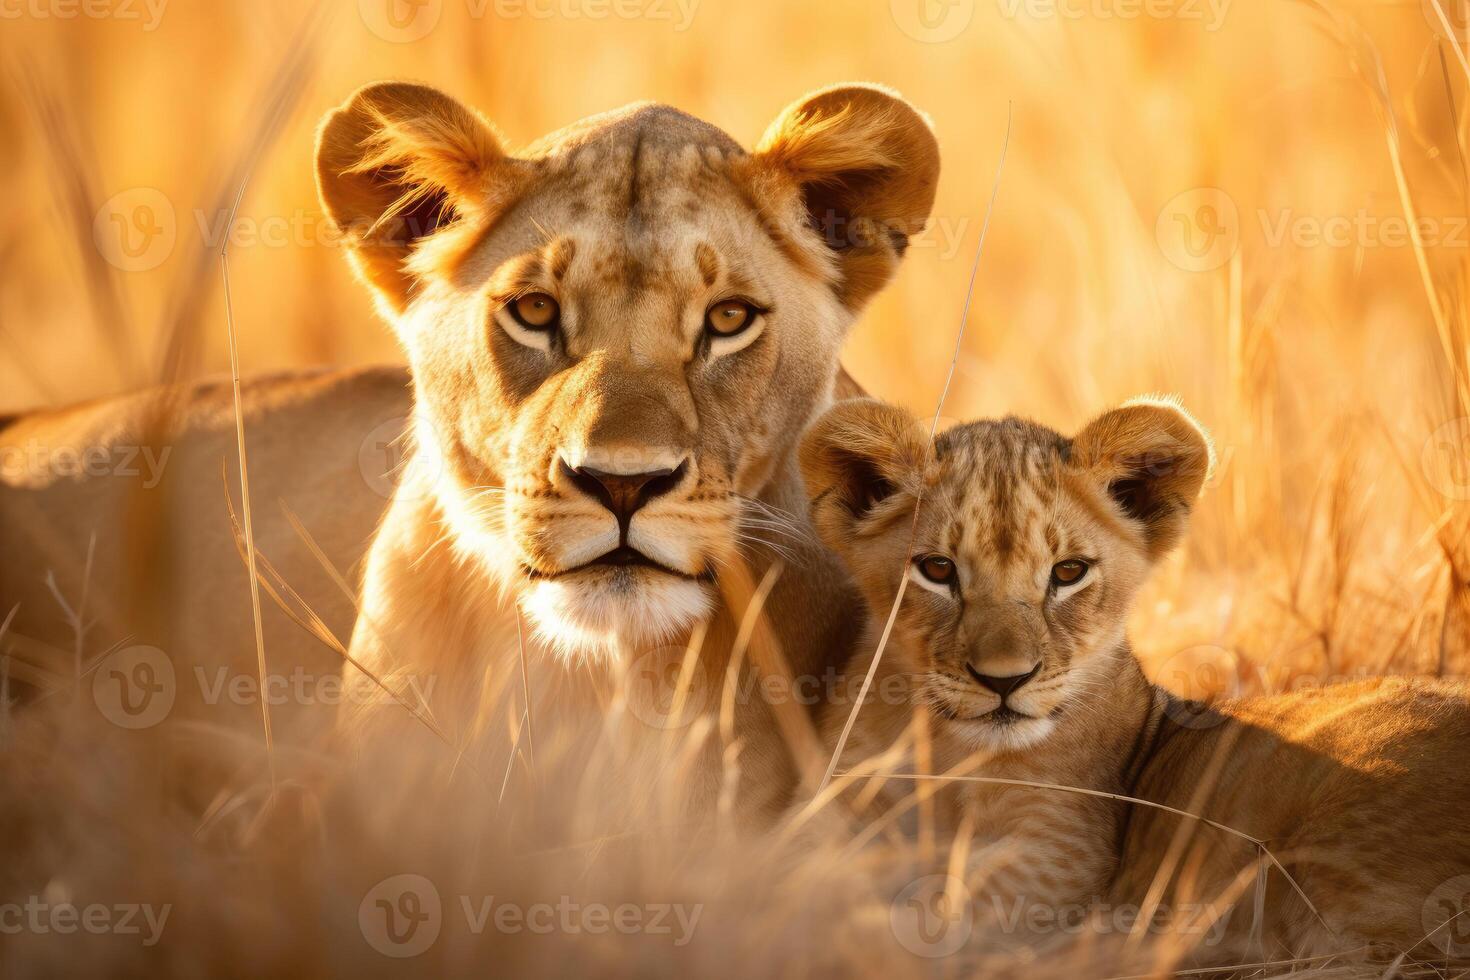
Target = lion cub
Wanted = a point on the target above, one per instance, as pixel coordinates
(1008, 661)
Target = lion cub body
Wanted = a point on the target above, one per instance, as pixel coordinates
(1355, 789)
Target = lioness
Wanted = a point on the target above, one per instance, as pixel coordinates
(615, 337)
(1024, 555)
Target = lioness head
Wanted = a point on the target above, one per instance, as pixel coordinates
(1024, 554)
(618, 334)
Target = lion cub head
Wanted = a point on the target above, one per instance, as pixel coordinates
(618, 333)
(1023, 557)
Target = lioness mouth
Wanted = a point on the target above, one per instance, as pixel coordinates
(620, 557)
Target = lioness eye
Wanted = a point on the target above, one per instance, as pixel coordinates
(535, 311)
(937, 569)
(1069, 572)
(728, 318)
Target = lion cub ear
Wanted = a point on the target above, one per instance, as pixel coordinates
(396, 163)
(858, 455)
(1153, 458)
(865, 165)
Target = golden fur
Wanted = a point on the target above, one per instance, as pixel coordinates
(137, 484)
(635, 222)
(1355, 788)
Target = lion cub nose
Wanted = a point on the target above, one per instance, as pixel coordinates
(1003, 686)
(624, 493)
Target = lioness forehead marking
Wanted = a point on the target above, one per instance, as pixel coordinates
(559, 255)
(709, 263)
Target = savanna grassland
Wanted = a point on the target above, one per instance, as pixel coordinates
(1260, 206)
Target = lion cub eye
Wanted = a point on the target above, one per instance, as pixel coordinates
(730, 317)
(535, 311)
(1069, 572)
(936, 568)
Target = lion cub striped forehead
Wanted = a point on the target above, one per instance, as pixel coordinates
(1003, 499)
(998, 488)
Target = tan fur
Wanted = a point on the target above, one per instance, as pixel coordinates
(1356, 788)
(139, 483)
(636, 222)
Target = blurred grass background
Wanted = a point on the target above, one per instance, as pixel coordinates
(1332, 537)
(1160, 225)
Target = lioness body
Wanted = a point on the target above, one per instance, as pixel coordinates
(139, 483)
(1021, 562)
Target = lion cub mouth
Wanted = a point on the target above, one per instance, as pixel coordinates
(1004, 715)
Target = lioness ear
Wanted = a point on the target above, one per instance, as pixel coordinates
(1153, 458)
(396, 163)
(857, 455)
(865, 165)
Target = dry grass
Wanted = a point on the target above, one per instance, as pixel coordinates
(1327, 545)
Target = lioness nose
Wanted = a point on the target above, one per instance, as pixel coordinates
(624, 493)
(1003, 685)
